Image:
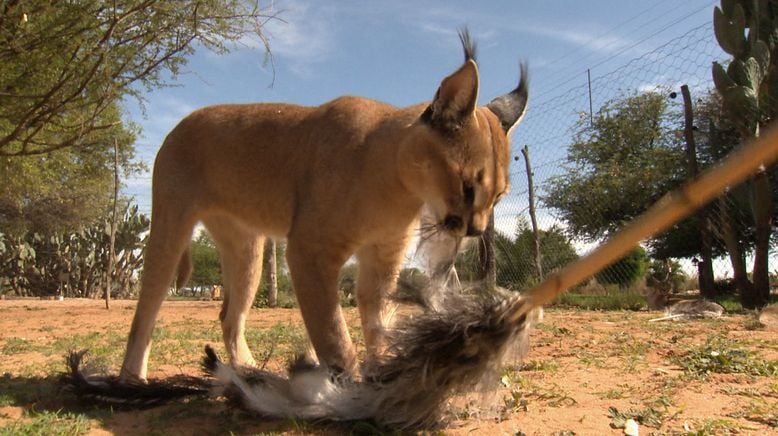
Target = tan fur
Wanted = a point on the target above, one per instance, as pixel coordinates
(347, 177)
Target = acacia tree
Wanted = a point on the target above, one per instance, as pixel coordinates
(67, 67)
(631, 155)
(64, 189)
(616, 166)
(65, 64)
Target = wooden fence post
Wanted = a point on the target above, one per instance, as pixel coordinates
(705, 266)
(532, 216)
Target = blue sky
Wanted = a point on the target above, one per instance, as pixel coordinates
(398, 52)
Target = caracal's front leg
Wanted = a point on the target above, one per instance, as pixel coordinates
(379, 267)
(242, 270)
(314, 267)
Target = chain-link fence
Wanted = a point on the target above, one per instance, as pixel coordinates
(603, 150)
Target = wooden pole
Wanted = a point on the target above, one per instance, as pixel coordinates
(272, 289)
(670, 209)
(591, 108)
(532, 216)
(491, 261)
(487, 262)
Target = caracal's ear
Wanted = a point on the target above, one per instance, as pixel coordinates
(456, 98)
(510, 107)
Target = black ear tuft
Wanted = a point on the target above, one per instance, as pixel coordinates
(467, 44)
(510, 107)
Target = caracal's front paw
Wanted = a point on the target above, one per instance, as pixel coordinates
(242, 357)
(129, 377)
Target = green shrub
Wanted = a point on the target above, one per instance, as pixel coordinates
(613, 301)
(627, 270)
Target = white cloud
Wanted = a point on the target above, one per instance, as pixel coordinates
(588, 40)
(302, 36)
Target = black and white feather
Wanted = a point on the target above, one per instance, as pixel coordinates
(431, 357)
(93, 387)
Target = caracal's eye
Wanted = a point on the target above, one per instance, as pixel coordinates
(469, 192)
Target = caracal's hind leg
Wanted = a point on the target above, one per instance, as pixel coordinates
(241, 255)
(379, 267)
(171, 230)
(314, 269)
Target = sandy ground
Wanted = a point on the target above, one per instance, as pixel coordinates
(581, 364)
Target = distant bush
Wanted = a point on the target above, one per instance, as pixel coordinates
(627, 270)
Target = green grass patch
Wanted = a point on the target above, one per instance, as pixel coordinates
(614, 301)
(628, 345)
(613, 394)
(17, 346)
(48, 423)
(713, 427)
(527, 392)
(731, 302)
(108, 344)
(753, 323)
(747, 391)
(539, 365)
(6, 399)
(719, 356)
(192, 330)
(592, 359)
(555, 330)
(760, 411)
(648, 416)
(283, 339)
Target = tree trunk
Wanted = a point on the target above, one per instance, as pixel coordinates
(705, 266)
(736, 255)
(114, 218)
(272, 276)
(763, 217)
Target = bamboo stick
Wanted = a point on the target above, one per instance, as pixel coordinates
(669, 210)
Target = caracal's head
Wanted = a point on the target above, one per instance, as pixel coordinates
(460, 156)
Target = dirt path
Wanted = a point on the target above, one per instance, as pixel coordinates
(580, 366)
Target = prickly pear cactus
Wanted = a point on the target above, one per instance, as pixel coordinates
(73, 264)
(747, 30)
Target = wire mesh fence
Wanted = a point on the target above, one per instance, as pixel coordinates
(605, 149)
